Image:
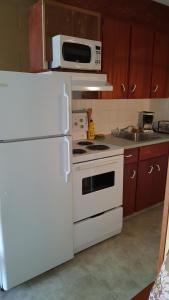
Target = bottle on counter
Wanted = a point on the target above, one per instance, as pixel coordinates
(90, 133)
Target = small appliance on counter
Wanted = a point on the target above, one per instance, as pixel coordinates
(145, 121)
(161, 126)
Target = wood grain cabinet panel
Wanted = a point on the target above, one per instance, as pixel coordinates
(145, 184)
(54, 16)
(127, 59)
(145, 171)
(160, 69)
(140, 62)
(129, 188)
(48, 18)
(86, 25)
(156, 150)
(151, 182)
(116, 39)
(131, 155)
(130, 180)
(160, 174)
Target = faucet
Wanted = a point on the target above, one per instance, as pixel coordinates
(129, 126)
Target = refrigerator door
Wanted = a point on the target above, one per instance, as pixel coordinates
(35, 208)
(34, 105)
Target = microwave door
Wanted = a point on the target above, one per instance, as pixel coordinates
(74, 52)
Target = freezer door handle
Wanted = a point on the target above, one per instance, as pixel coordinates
(67, 102)
(68, 168)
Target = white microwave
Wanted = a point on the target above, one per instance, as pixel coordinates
(76, 53)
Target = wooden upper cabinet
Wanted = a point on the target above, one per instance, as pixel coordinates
(140, 62)
(86, 24)
(48, 18)
(55, 17)
(160, 70)
(115, 62)
(127, 59)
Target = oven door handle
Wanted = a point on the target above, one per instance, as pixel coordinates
(96, 165)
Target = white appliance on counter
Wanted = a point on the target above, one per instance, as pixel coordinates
(97, 191)
(36, 231)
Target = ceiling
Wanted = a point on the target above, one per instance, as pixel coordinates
(165, 2)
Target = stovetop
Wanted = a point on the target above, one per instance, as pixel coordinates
(85, 150)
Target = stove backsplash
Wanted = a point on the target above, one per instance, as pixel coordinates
(109, 114)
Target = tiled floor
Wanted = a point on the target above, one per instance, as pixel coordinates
(115, 269)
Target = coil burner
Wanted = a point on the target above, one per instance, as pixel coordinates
(98, 147)
(79, 151)
(85, 143)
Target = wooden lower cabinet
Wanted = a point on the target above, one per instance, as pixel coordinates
(130, 180)
(145, 171)
(129, 189)
(151, 182)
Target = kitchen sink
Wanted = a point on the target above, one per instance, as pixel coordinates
(138, 136)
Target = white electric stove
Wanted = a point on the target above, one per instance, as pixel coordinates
(97, 187)
(87, 150)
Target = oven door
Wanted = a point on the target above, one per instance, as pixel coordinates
(97, 186)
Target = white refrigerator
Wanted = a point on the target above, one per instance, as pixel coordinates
(35, 174)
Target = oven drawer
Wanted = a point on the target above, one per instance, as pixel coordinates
(94, 230)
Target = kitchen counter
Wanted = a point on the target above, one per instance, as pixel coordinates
(126, 144)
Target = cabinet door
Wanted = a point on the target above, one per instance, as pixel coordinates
(151, 181)
(116, 36)
(129, 188)
(49, 18)
(160, 173)
(145, 184)
(86, 25)
(58, 20)
(140, 62)
(159, 88)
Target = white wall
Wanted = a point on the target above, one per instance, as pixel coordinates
(161, 108)
(109, 114)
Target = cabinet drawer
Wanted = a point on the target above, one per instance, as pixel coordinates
(151, 151)
(131, 155)
(94, 230)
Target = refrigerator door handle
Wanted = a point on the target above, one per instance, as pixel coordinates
(68, 167)
(67, 102)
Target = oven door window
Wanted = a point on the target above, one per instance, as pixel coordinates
(76, 52)
(98, 182)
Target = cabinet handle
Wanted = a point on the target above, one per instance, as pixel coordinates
(158, 167)
(128, 156)
(155, 89)
(134, 174)
(123, 87)
(151, 170)
(133, 88)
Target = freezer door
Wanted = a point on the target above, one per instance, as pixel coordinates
(33, 105)
(35, 208)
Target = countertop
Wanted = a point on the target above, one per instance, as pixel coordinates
(127, 144)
